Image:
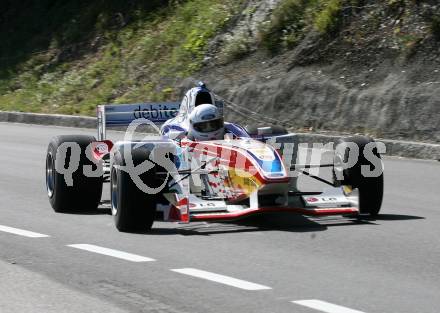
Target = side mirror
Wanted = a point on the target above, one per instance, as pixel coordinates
(175, 134)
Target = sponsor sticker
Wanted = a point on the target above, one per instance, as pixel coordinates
(325, 201)
(124, 114)
(312, 199)
(101, 148)
(263, 153)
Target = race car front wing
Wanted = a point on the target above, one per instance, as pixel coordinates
(332, 201)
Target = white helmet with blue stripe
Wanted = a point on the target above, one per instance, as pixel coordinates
(206, 123)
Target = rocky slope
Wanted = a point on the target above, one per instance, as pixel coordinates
(379, 74)
(369, 66)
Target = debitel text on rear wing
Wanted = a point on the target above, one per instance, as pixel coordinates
(114, 115)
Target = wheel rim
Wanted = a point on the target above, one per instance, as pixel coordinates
(114, 191)
(50, 175)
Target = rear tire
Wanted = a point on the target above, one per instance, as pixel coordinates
(133, 209)
(370, 188)
(85, 193)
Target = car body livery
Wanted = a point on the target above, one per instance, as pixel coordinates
(171, 177)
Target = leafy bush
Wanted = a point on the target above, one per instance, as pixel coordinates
(292, 19)
(235, 49)
(329, 18)
(286, 24)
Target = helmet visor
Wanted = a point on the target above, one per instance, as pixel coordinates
(208, 126)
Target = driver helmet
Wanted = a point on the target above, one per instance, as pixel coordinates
(206, 123)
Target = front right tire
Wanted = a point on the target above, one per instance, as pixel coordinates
(370, 188)
(85, 192)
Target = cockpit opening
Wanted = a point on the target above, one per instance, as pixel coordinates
(203, 97)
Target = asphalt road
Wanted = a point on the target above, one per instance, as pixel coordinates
(390, 264)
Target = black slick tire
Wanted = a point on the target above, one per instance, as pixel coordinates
(370, 188)
(85, 193)
(133, 210)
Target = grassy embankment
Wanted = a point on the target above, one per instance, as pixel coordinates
(102, 54)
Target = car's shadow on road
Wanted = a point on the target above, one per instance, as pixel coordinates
(270, 222)
(275, 222)
(103, 209)
(99, 211)
(393, 217)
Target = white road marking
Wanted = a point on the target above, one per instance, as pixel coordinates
(21, 232)
(221, 279)
(114, 253)
(325, 306)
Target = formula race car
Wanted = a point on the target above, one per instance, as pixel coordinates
(178, 175)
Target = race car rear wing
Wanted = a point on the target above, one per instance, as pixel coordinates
(118, 115)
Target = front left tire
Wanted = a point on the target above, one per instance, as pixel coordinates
(133, 209)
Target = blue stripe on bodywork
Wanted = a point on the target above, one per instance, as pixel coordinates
(272, 167)
(167, 128)
(236, 130)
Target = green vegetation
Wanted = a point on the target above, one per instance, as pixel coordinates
(286, 26)
(118, 54)
(69, 56)
(292, 19)
(329, 18)
(235, 49)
